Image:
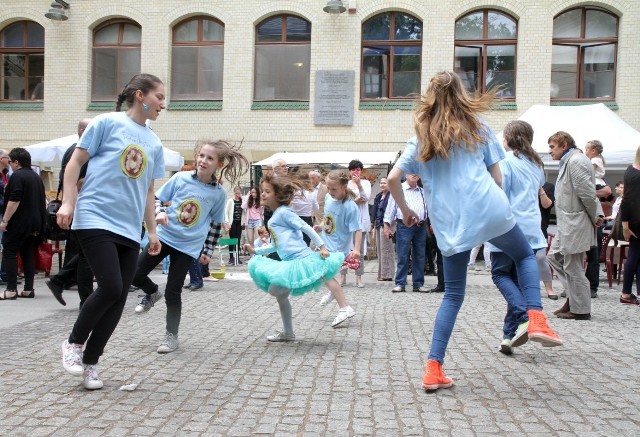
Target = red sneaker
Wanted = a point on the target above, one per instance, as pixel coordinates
(434, 378)
(540, 331)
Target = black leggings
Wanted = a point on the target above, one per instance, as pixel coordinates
(236, 232)
(113, 261)
(25, 246)
(178, 266)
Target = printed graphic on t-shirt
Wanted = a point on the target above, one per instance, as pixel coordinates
(329, 224)
(133, 161)
(188, 212)
(274, 238)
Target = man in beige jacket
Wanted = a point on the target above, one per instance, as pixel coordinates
(578, 213)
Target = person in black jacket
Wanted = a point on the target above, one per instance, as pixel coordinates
(75, 265)
(23, 222)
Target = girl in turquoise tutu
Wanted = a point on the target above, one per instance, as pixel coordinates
(300, 269)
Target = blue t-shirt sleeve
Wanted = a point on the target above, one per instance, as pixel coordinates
(92, 136)
(493, 151)
(167, 190)
(542, 178)
(353, 217)
(158, 163)
(408, 160)
(505, 169)
(217, 212)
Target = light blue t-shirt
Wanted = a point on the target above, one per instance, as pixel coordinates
(340, 221)
(465, 205)
(125, 159)
(521, 181)
(194, 205)
(286, 230)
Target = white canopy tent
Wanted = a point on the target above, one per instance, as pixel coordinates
(337, 158)
(584, 123)
(51, 152)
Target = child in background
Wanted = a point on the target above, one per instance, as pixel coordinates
(340, 230)
(194, 217)
(251, 204)
(300, 269)
(263, 237)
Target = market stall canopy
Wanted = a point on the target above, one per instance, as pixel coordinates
(584, 123)
(336, 158)
(51, 152)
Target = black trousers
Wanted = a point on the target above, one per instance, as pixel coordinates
(235, 232)
(25, 246)
(178, 267)
(593, 262)
(113, 260)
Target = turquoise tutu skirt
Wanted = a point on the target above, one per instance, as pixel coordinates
(298, 275)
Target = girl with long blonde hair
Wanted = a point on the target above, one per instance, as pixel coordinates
(456, 155)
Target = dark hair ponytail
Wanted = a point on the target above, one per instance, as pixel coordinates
(142, 82)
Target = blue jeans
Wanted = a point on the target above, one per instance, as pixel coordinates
(195, 273)
(515, 245)
(412, 239)
(505, 276)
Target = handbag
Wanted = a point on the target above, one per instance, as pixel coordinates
(52, 230)
(43, 256)
(350, 262)
(616, 230)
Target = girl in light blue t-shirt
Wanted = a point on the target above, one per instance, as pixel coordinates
(456, 155)
(124, 158)
(341, 231)
(300, 269)
(196, 206)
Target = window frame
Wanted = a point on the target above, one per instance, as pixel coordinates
(121, 22)
(390, 43)
(485, 42)
(582, 43)
(198, 43)
(26, 51)
(283, 42)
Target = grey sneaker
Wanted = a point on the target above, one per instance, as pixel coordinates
(169, 343)
(505, 347)
(148, 300)
(72, 358)
(281, 336)
(91, 379)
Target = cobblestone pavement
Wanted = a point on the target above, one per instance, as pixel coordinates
(362, 378)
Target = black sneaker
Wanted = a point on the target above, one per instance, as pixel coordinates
(594, 294)
(56, 289)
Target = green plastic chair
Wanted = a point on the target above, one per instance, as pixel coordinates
(228, 242)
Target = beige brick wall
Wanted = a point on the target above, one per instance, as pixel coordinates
(335, 45)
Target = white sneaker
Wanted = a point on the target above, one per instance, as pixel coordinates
(281, 336)
(147, 301)
(505, 347)
(169, 343)
(522, 335)
(344, 314)
(72, 358)
(326, 299)
(91, 379)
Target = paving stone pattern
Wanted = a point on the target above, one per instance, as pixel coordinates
(361, 379)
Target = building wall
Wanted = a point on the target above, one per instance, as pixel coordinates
(335, 45)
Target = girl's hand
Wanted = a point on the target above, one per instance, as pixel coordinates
(317, 228)
(226, 227)
(204, 260)
(248, 248)
(154, 244)
(162, 218)
(324, 253)
(410, 218)
(64, 216)
(355, 254)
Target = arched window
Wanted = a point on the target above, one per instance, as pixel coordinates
(391, 56)
(585, 43)
(197, 61)
(116, 58)
(485, 52)
(283, 55)
(22, 54)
